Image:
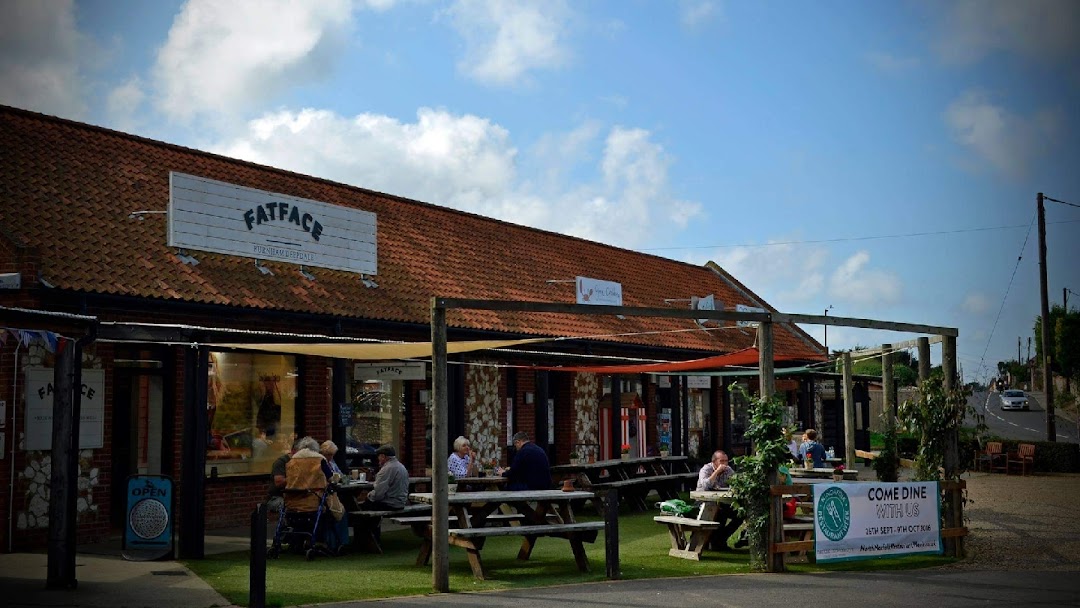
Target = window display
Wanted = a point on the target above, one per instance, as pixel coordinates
(251, 412)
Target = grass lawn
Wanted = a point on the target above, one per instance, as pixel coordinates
(291, 580)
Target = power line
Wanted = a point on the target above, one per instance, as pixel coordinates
(1020, 257)
(858, 238)
(1047, 198)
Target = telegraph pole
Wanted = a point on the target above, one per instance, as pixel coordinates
(1048, 378)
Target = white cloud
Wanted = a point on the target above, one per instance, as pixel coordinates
(888, 62)
(695, 13)
(1006, 140)
(223, 57)
(506, 40)
(786, 275)
(862, 287)
(40, 54)
(975, 304)
(469, 163)
(1039, 29)
(123, 104)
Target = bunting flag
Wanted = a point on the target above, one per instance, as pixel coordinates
(26, 337)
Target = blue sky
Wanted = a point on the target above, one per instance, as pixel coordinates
(778, 139)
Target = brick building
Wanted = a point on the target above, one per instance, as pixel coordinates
(92, 221)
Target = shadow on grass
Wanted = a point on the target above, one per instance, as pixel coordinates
(292, 580)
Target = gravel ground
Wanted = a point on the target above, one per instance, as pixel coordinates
(1022, 523)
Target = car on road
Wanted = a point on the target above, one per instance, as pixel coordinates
(1014, 399)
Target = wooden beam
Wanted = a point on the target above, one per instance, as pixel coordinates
(766, 373)
(915, 328)
(440, 508)
(587, 309)
(895, 346)
(849, 414)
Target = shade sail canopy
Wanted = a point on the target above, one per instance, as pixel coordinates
(378, 351)
(744, 357)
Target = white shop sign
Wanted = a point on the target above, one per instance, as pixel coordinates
(39, 408)
(868, 520)
(699, 382)
(598, 293)
(208, 215)
(744, 308)
(390, 371)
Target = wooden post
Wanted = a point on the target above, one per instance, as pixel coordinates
(192, 522)
(888, 381)
(766, 375)
(849, 414)
(924, 359)
(440, 508)
(63, 484)
(611, 533)
(774, 561)
(257, 560)
(1047, 346)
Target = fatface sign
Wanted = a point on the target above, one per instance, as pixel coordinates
(599, 293)
(397, 370)
(868, 520)
(39, 408)
(208, 215)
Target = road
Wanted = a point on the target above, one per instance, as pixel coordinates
(1022, 426)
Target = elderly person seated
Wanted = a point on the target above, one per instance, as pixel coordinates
(714, 476)
(462, 462)
(391, 491)
(307, 478)
(329, 450)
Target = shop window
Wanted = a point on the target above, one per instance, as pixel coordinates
(251, 412)
(378, 418)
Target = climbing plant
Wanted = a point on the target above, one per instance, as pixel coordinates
(934, 417)
(756, 472)
(887, 463)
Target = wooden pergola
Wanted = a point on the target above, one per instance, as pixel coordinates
(440, 535)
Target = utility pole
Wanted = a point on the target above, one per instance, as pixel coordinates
(1048, 378)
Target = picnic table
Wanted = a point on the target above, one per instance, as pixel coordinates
(822, 473)
(635, 478)
(690, 535)
(366, 524)
(488, 482)
(545, 513)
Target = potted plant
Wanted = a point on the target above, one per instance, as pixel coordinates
(574, 457)
(626, 451)
(665, 450)
(838, 473)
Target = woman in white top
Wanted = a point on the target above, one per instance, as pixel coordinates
(462, 462)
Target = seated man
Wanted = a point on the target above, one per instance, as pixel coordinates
(530, 469)
(391, 491)
(714, 476)
(812, 450)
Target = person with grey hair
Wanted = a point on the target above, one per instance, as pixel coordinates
(391, 491)
(530, 469)
(329, 450)
(274, 500)
(462, 462)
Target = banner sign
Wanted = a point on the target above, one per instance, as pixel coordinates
(597, 292)
(39, 408)
(148, 531)
(868, 520)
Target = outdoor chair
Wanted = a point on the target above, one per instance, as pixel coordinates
(993, 457)
(1023, 456)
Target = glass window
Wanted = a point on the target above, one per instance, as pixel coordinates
(378, 418)
(251, 411)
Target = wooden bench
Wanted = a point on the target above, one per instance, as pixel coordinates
(798, 529)
(366, 524)
(420, 523)
(472, 540)
(688, 536)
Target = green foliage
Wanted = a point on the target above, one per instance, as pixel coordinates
(1064, 339)
(936, 417)
(887, 463)
(758, 471)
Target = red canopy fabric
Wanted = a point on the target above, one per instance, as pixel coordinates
(744, 357)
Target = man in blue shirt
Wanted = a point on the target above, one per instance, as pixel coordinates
(530, 469)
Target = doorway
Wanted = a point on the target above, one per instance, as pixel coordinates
(139, 427)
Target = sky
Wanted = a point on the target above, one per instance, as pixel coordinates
(875, 159)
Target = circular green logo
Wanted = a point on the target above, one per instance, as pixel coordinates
(834, 514)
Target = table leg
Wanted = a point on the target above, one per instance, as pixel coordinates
(579, 553)
(527, 545)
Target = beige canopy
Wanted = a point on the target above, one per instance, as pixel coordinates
(378, 351)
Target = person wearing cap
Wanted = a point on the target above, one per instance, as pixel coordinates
(391, 491)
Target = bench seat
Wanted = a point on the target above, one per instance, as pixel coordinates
(366, 524)
(686, 521)
(688, 535)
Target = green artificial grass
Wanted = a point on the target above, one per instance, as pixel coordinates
(643, 553)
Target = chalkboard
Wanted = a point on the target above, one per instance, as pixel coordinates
(345, 414)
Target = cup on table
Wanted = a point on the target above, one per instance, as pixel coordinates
(354, 474)
(362, 476)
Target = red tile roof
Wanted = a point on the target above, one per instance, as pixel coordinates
(67, 189)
